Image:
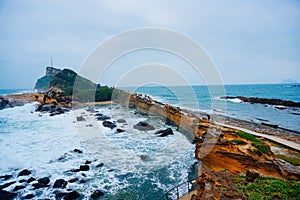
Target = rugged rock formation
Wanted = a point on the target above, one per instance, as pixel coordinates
(277, 102)
(43, 82)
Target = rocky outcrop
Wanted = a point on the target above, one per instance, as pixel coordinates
(278, 102)
(164, 133)
(44, 82)
(143, 126)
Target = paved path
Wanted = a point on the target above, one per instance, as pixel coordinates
(290, 144)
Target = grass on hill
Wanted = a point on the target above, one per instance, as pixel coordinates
(257, 143)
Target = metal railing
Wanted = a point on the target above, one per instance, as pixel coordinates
(179, 190)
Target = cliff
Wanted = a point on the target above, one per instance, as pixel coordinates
(43, 82)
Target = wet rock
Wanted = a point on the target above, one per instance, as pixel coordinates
(80, 119)
(75, 170)
(6, 177)
(22, 180)
(88, 162)
(164, 133)
(98, 114)
(97, 194)
(84, 168)
(59, 194)
(119, 130)
(73, 180)
(29, 196)
(4, 103)
(121, 121)
(103, 118)
(44, 180)
(143, 126)
(39, 185)
(24, 172)
(19, 187)
(60, 183)
(71, 195)
(82, 181)
(78, 151)
(252, 174)
(7, 195)
(144, 157)
(100, 165)
(30, 180)
(109, 124)
(5, 185)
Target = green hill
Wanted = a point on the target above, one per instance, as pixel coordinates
(43, 82)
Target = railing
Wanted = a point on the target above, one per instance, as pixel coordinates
(179, 190)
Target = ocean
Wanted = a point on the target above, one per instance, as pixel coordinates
(45, 144)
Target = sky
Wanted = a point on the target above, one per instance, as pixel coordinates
(250, 41)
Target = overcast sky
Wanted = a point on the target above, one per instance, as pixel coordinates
(249, 41)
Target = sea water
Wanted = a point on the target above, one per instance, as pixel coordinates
(45, 144)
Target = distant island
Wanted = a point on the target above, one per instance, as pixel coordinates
(287, 81)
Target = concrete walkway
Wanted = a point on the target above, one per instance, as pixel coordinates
(290, 144)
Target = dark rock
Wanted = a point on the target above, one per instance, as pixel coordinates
(88, 162)
(72, 195)
(29, 196)
(83, 174)
(39, 185)
(5, 185)
(19, 187)
(80, 119)
(59, 194)
(78, 151)
(97, 194)
(98, 114)
(60, 183)
(143, 126)
(100, 165)
(84, 168)
(82, 181)
(75, 170)
(252, 174)
(24, 172)
(4, 103)
(73, 180)
(164, 133)
(44, 180)
(121, 121)
(30, 180)
(22, 181)
(6, 177)
(144, 157)
(120, 130)
(109, 124)
(7, 195)
(103, 118)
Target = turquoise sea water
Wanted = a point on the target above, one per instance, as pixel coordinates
(36, 141)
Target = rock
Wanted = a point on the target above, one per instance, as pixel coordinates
(91, 109)
(5, 185)
(39, 185)
(71, 195)
(143, 126)
(109, 124)
(144, 157)
(80, 119)
(97, 194)
(44, 180)
(103, 118)
(59, 194)
(164, 133)
(252, 174)
(88, 162)
(6, 177)
(82, 181)
(22, 180)
(84, 168)
(121, 121)
(100, 165)
(24, 172)
(119, 130)
(30, 180)
(75, 170)
(73, 180)
(29, 196)
(98, 114)
(7, 195)
(19, 187)
(4, 103)
(60, 183)
(78, 151)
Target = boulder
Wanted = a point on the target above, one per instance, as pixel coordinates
(103, 117)
(143, 126)
(80, 119)
(5, 185)
(88, 162)
(120, 130)
(84, 168)
(109, 124)
(252, 174)
(30, 180)
(98, 114)
(7, 195)
(39, 185)
(29, 196)
(18, 187)
(165, 132)
(73, 180)
(99, 165)
(121, 121)
(97, 194)
(71, 195)
(78, 151)
(44, 180)
(6, 177)
(60, 183)
(3, 103)
(24, 172)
